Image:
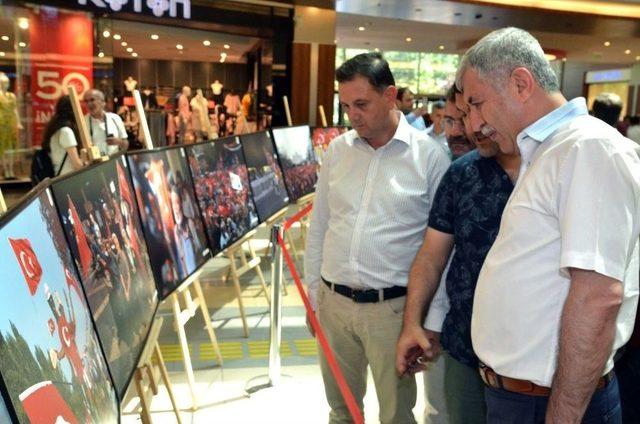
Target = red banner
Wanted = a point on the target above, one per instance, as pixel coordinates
(61, 46)
(43, 403)
(29, 263)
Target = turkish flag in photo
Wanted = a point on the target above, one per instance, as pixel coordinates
(43, 403)
(29, 263)
(72, 282)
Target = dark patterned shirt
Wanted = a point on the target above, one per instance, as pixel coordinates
(468, 204)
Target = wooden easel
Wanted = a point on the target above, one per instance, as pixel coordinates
(90, 152)
(323, 117)
(182, 313)
(144, 125)
(287, 110)
(147, 375)
(3, 204)
(238, 270)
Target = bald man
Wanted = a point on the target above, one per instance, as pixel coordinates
(106, 129)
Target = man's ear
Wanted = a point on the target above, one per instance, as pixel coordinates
(523, 83)
(390, 94)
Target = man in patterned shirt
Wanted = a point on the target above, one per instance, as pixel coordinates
(466, 214)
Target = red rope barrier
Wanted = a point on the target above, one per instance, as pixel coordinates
(324, 344)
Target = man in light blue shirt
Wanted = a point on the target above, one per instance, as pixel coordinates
(436, 130)
(404, 101)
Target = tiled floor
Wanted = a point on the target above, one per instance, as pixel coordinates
(223, 391)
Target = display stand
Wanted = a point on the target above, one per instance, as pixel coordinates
(275, 326)
(287, 110)
(144, 125)
(269, 223)
(90, 152)
(181, 316)
(236, 271)
(147, 375)
(3, 204)
(323, 117)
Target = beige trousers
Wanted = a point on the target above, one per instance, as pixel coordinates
(362, 334)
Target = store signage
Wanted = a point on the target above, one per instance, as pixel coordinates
(157, 7)
(610, 75)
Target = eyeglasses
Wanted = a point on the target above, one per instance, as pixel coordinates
(450, 122)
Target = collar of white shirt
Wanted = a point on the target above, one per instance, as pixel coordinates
(403, 133)
(541, 129)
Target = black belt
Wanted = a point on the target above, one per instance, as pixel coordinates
(367, 296)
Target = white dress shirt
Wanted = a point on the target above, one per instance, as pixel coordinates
(441, 139)
(98, 129)
(371, 209)
(575, 205)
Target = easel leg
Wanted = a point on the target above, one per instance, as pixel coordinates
(289, 239)
(252, 254)
(207, 320)
(167, 383)
(236, 283)
(145, 415)
(186, 356)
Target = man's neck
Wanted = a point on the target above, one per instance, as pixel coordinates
(387, 134)
(510, 164)
(98, 115)
(437, 129)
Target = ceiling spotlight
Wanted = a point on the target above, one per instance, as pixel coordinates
(5, 38)
(129, 49)
(22, 44)
(607, 43)
(223, 54)
(106, 33)
(360, 28)
(23, 23)
(206, 43)
(226, 46)
(101, 54)
(116, 36)
(154, 36)
(222, 60)
(179, 46)
(124, 44)
(134, 54)
(376, 50)
(408, 39)
(441, 47)
(2, 54)
(627, 51)
(637, 57)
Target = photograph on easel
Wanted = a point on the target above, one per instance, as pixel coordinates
(265, 175)
(223, 190)
(298, 161)
(101, 221)
(50, 359)
(322, 136)
(175, 235)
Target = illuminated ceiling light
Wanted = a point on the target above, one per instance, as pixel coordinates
(627, 51)
(22, 44)
(408, 39)
(116, 36)
(23, 23)
(361, 28)
(223, 55)
(206, 43)
(134, 54)
(101, 54)
(5, 38)
(441, 47)
(106, 33)
(222, 60)
(226, 46)
(376, 50)
(637, 57)
(550, 57)
(564, 59)
(2, 54)
(607, 43)
(129, 49)
(179, 46)
(124, 44)
(154, 36)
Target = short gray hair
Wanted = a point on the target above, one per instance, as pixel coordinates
(497, 54)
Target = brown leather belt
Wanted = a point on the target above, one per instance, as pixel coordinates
(492, 379)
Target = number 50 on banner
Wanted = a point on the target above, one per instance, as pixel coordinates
(51, 88)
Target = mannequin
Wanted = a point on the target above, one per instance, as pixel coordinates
(200, 117)
(184, 115)
(148, 98)
(130, 84)
(216, 87)
(10, 120)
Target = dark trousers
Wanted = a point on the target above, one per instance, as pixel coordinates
(505, 407)
(628, 372)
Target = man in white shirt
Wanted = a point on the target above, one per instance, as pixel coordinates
(436, 130)
(414, 116)
(106, 129)
(370, 213)
(557, 293)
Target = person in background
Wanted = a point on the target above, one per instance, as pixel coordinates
(607, 108)
(436, 130)
(633, 132)
(414, 116)
(60, 138)
(459, 141)
(106, 129)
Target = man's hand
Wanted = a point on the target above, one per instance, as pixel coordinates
(415, 344)
(310, 327)
(420, 111)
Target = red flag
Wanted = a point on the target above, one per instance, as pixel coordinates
(43, 403)
(52, 325)
(81, 239)
(29, 263)
(125, 193)
(72, 282)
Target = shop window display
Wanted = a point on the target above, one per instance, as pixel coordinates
(297, 159)
(51, 362)
(223, 190)
(175, 235)
(100, 218)
(265, 175)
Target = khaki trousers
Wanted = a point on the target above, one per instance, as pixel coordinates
(362, 334)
